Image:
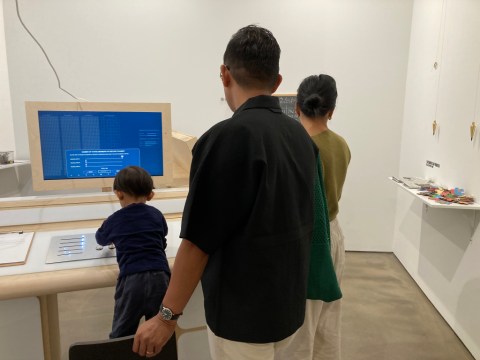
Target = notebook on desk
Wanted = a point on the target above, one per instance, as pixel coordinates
(14, 248)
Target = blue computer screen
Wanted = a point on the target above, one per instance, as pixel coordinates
(95, 144)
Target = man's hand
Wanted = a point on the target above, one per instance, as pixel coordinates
(152, 335)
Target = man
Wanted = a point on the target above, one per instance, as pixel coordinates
(248, 218)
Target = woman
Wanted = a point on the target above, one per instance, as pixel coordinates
(319, 336)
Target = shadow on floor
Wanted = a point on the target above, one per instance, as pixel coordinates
(385, 315)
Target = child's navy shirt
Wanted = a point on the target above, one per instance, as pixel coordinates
(138, 232)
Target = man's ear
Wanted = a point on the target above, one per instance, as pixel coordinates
(277, 83)
(150, 196)
(225, 76)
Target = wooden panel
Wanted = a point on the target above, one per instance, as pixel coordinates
(59, 200)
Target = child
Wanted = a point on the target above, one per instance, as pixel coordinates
(138, 232)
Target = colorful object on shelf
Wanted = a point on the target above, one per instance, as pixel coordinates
(446, 196)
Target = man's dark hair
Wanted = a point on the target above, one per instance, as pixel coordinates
(317, 95)
(252, 57)
(134, 181)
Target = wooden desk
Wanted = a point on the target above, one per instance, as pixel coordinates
(45, 281)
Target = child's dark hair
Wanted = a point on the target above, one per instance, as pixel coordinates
(317, 95)
(134, 181)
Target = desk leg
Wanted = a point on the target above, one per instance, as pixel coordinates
(50, 326)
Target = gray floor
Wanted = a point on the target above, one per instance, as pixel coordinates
(385, 315)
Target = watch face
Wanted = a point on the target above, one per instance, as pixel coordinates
(166, 313)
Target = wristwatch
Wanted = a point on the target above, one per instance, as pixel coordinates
(168, 314)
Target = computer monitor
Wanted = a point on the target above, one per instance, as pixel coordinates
(77, 145)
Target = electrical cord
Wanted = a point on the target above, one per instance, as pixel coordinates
(44, 53)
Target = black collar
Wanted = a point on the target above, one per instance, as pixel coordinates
(262, 101)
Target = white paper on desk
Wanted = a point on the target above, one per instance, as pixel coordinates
(14, 248)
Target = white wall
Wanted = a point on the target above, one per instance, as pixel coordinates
(170, 51)
(119, 50)
(441, 247)
(7, 140)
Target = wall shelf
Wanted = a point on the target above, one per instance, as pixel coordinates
(433, 204)
(15, 164)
